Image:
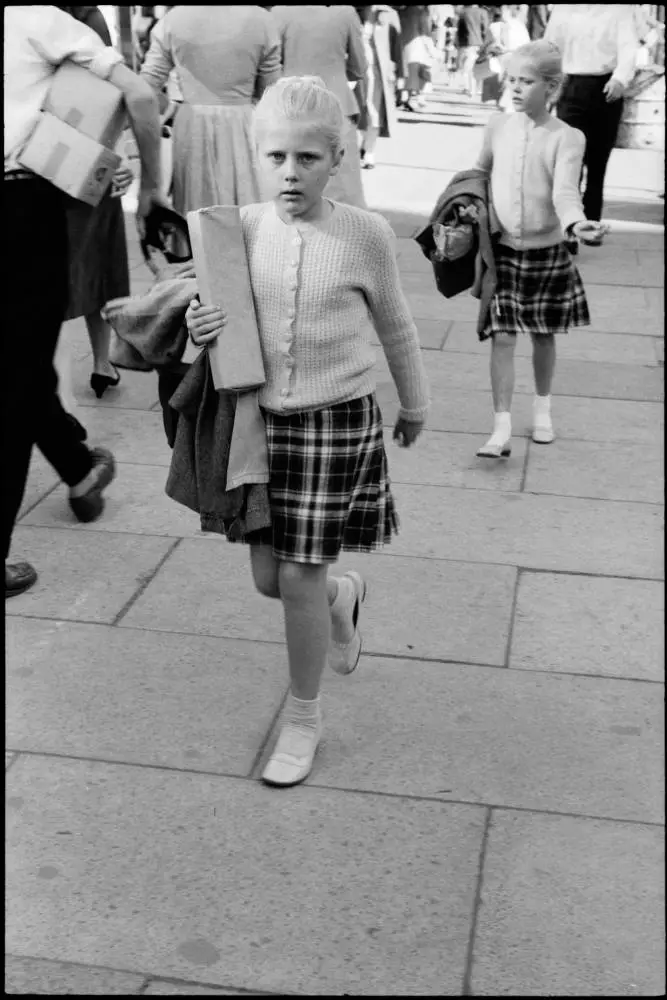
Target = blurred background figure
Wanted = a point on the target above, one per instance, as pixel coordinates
(419, 53)
(599, 45)
(472, 35)
(327, 42)
(514, 34)
(538, 16)
(225, 57)
(384, 54)
(98, 266)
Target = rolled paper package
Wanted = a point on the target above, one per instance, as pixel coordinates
(223, 279)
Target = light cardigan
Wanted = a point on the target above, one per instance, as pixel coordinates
(321, 290)
(535, 172)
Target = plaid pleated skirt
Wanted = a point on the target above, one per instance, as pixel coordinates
(329, 484)
(538, 292)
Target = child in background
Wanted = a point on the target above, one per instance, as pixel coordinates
(324, 278)
(534, 161)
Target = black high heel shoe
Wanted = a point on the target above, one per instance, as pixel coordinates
(100, 383)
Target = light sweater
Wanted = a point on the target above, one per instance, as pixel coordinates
(321, 290)
(535, 173)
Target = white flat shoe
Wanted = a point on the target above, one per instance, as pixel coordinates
(345, 648)
(543, 432)
(496, 447)
(293, 755)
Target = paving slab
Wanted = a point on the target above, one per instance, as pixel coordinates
(574, 417)
(160, 988)
(626, 310)
(444, 459)
(313, 891)
(588, 625)
(135, 502)
(42, 478)
(134, 436)
(501, 737)
(144, 697)
(449, 371)
(582, 344)
(414, 607)
(623, 271)
(9, 757)
(428, 304)
(570, 908)
(36, 976)
(83, 576)
(607, 471)
(568, 534)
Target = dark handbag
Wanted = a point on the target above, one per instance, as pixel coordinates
(165, 232)
(451, 246)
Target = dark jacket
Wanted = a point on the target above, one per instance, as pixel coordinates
(152, 325)
(538, 16)
(219, 465)
(473, 27)
(476, 268)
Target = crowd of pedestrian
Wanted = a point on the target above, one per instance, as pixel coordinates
(279, 110)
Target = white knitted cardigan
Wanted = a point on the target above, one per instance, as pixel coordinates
(321, 290)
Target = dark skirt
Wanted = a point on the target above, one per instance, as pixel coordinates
(538, 292)
(329, 484)
(98, 268)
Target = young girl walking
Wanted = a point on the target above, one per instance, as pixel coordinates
(534, 161)
(324, 278)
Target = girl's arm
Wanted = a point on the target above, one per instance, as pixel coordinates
(395, 326)
(485, 158)
(567, 172)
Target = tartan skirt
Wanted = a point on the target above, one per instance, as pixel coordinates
(537, 292)
(329, 484)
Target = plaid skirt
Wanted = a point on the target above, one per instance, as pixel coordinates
(329, 485)
(538, 291)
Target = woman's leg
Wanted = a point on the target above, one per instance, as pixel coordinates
(99, 333)
(544, 363)
(502, 388)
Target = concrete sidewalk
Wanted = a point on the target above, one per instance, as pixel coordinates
(485, 816)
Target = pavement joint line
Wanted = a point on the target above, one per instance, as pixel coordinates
(510, 630)
(209, 536)
(583, 496)
(466, 989)
(43, 497)
(369, 654)
(148, 977)
(146, 581)
(368, 792)
(270, 729)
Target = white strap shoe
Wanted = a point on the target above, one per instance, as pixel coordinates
(293, 755)
(345, 648)
(498, 446)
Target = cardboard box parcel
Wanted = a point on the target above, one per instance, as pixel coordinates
(221, 266)
(92, 106)
(77, 165)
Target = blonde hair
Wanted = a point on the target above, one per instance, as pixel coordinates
(302, 99)
(544, 57)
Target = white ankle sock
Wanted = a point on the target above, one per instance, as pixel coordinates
(299, 712)
(542, 405)
(502, 424)
(86, 484)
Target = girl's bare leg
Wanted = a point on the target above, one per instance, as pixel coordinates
(502, 389)
(544, 364)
